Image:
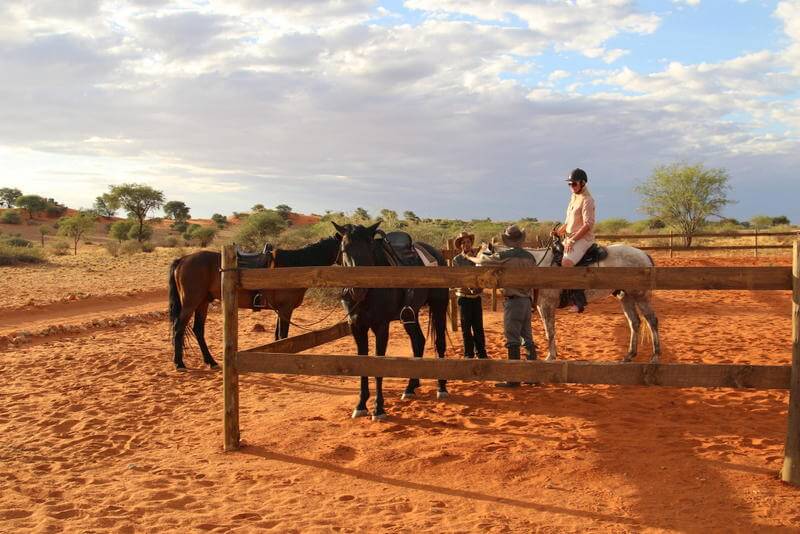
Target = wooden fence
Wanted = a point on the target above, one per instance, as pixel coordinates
(280, 356)
(450, 251)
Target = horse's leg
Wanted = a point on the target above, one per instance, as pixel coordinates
(284, 320)
(644, 305)
(418, 346)
(547, 311)
(629, 309)
(381, 341)
(362, 343)
(199, 329)
(179, 335)
(439, 318)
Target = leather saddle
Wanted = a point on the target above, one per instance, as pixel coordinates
(255, 260)
(594, 254)
(401, 251)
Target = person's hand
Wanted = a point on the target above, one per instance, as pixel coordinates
(568, 245)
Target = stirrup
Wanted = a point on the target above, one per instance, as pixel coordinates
(404, 314)
(258, 302)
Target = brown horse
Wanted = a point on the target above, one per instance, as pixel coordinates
(194, 281)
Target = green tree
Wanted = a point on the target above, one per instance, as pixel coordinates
(176, 210)
(361, 215)
(258, 207)
(75, 227)
(105, 205)
(140, 233)
(204, 235)
(284, 211)
(390, 217)
(220, 220)
(31, 203)
(760, 222)
(43, 231)
(410, 216)
(684, 196)
(138, 201)
(120, 230)
(612, 226)
(781, 220)
(259, 228)
(8, 196)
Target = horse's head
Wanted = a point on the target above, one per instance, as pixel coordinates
(356, 250)
(357, 244)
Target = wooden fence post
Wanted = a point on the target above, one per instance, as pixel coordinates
(230, 337)
(451, 245)
(791, 454)
(756, 244)
(671, 236)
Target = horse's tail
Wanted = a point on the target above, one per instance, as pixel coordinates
(174, 297)
(652, 262)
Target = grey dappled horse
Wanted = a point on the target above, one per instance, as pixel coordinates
(633, 300)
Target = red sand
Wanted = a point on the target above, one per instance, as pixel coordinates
(99, 434)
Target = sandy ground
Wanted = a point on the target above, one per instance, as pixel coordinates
(99, 434)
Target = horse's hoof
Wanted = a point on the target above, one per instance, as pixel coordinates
(550, 359)
(213, 365)
(442, 394)
(628, 358)
(654, 359)
(359, 413)
(408, 396)
(379, 417)
(180, 368)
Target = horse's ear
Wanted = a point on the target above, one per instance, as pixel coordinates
(372, 229)
(340, 229)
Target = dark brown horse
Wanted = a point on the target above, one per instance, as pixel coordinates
(373, 309)
(194, 281)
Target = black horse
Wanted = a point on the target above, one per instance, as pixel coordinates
(373, 309)
(194, 281)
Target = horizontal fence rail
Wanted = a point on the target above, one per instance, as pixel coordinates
(557, 372)
(673, 278)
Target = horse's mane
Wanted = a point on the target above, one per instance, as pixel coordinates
(318, 254)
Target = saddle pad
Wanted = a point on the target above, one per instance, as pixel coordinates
(426, 257)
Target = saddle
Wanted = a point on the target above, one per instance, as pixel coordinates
(402, 251)
(256, 260)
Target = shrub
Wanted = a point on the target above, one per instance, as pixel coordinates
(60, 248)
(14, 255)
(112, 247)
(204, 235)
(55, 210)
(18, 242)
(130, 247)
(140, 234)
(170, 242)
(612, 226)
(10, 217)
(180, 226)
(148, 247)
(120, 230)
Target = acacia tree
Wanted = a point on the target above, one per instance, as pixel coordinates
(105, 205)
(284, 211)
(138, 200)
(258, 228)
(685, 196)
(75, 227)
(177, 211)
(31, 203)
(9, 195)
(410, 216)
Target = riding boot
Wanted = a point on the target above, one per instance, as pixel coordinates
(578, 299)
(513, 354)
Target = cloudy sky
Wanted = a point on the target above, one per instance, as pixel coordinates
(469, 108)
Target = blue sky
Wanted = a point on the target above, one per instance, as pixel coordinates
(448, 108)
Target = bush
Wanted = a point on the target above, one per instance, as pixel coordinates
(611, 226)
(14, 255)
(60, 248)
(18, 242)
(170, 242)
(120, 230)
(130, 247)
(55, 210)
(10, 217)
(180, 226)
(143, 234)
(112, 247)
(148, 247)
